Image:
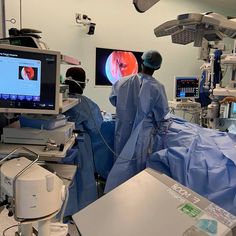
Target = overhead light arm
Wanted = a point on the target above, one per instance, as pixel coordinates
(144, 5)
(194, 27)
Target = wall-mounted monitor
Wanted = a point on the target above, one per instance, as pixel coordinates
(113, 64)
(29, 80)
(186, 87)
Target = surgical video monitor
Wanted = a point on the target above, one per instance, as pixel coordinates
(29, 80)
(113, 64)
(186, 88)
(233, 110)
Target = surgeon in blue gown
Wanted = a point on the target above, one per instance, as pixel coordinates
(141, 104)
(88, 119)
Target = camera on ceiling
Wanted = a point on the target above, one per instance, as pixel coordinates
(90, 28)
(85, 21)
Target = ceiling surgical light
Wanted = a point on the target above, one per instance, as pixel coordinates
(194, 27)
(144, 5)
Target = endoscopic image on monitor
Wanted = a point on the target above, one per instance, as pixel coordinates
(21, 78)
(28, 73)
(113, 64)
(29, 80)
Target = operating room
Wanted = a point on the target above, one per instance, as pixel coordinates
(117, 25)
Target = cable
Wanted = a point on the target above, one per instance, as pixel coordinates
(62, 177)
(172, 110)
(95, 172)
(5, 230)
(103, 139)
(64, 205)
(98, 130)
(79, 232)
(9, 117)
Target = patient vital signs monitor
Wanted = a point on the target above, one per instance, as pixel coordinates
(186, 87)
(29, 80)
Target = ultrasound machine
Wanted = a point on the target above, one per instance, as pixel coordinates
(186, 92)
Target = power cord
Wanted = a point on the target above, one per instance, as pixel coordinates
(64, 205)
(5, 230)
(103, 139)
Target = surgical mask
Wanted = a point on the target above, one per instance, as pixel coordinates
(69, 78)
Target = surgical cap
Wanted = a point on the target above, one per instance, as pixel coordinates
(152, 59)
(77, 73)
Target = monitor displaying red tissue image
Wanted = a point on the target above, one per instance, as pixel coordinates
(114, 64)
(29, 80)
(27, 73)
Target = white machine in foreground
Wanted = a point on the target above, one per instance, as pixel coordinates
(31, 193)
(153, 204)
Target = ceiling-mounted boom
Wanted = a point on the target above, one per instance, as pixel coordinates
(144, 5)
(193, 27)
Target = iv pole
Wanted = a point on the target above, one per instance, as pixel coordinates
(2, 19)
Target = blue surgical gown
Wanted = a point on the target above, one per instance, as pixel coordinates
(141, 103)
(88, 119)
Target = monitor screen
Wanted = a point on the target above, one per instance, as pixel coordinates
(113, 64)
(233, 108)
(186, 87)
(232, 111)
(29, 80)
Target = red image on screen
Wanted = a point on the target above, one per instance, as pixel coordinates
(28, 73)
(121, 64)
(114, 64)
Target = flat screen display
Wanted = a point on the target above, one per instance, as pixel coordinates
(233, 105)
(186, 87)
(29, 80)
(113, 64)
(232, 110)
